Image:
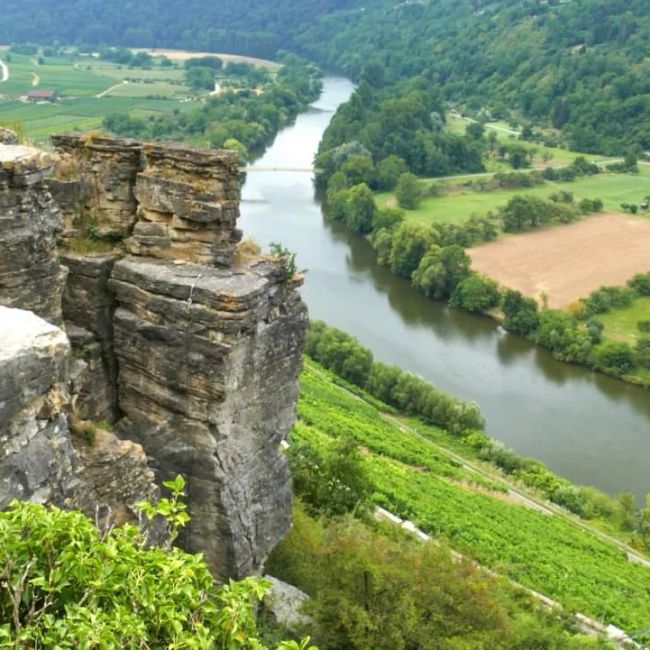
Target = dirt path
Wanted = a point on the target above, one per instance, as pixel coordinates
(108, 90)
(35, 79)
(568, 262)
(4, 71)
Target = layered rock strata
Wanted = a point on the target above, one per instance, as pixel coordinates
(209, 360)
(30, 274)
(40, 460)
(188, 205)
(37, 460)
(94, 183)
(88, 308)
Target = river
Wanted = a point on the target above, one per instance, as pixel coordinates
(588, 427)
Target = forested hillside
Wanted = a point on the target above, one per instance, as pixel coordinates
(237, 26)
(579, 66)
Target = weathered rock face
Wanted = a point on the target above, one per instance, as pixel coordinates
(209, 360)
(94, 183)
(30, 274)
(88, 308)
(39, 459)
(188, 205)
(198, 352)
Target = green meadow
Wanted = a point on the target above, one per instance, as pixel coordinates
(461, 203)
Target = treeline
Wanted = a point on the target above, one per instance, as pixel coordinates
(434, 259)
(236, 26)
(580, 68)
(403, 121)
(246, 121)
(344, 355)
(616, 357)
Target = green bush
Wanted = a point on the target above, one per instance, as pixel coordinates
(642, 352)
(66, 585)
(476, 293)
(614, 358)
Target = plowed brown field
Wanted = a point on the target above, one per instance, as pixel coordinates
(568, 262)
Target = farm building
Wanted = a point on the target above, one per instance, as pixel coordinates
(42, 95)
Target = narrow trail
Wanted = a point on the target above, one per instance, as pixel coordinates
(4, 71)
(108, 90)
(35, 79)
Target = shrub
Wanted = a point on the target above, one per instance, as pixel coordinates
(521, 315)
(476, 293)
(67, 585)
(642, 352)
(614, 358)
(641, 284)
(408, 191)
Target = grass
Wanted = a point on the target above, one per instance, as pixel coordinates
(458, 206)
(621, 324)
(79, 81)
(559, 157)
(419, 481)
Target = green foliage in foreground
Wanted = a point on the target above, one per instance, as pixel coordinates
(418, 480)
(376, 588)
(66, 585)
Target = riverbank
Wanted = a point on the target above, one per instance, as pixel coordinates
(583, 425)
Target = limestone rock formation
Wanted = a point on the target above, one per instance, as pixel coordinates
(40, 460)
(209, 360)
(195, 350)
(94, 183)
(37, 460)
(188, 205)
(30, 274)
(88, 308)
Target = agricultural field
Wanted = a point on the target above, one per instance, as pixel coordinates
(417, 478)
(89, 89)
(461, 203)
(568, 262)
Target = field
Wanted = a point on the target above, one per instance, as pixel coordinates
(543, 157)
(461, 204)
(183, 55)
(90, 90)
(568, 262)
(416, 477)
(621, 324)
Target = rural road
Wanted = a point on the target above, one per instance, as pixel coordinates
(4, 71)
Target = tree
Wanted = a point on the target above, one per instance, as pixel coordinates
(409, 243)
(408, 191)
(521, 313)
(476, 293)
(614, 358)
(357, 169)
(360, 209)
(642, 352)
(440, 270)
(200, 78)
(389, 171)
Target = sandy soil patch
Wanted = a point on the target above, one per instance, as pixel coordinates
(183, 55)
(568, 262)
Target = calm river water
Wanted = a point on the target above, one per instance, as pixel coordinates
(588, 427)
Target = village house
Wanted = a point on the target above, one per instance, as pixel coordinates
(42, 96)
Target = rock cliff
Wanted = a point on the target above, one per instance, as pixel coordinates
(191, 348)
(31, 276)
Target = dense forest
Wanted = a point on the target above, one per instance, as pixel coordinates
(580, 66)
